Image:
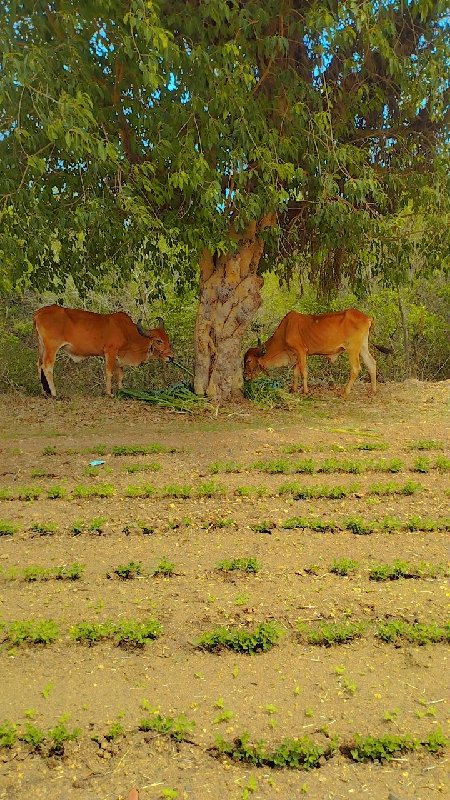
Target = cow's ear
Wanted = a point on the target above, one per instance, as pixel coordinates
(160, 323)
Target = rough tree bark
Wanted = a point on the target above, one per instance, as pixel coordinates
(229, 298)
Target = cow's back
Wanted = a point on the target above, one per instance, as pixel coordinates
(86, 332)
(324, 333)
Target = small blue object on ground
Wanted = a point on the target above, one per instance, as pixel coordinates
(96, 463)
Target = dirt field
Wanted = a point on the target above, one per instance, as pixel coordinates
(293, 690)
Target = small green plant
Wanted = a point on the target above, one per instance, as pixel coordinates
(59, 735)
(97, 490)
(50, 450)
(263, 527)
(176, 491)
(32, 736)
(222, 522)
(291, 753)
(56, 492)
(391, 715)
(168, 794)
(165, 569)
(330, 633)
(385, 489)
(422, 464)
(223, 716)
(370, 446)
(241, 564)
(394, 465)
(442, 464)
(129, 571)
(44, 528)
(382, 748)
(115, 730)
(35, 573)
(303, 467)
(73, 572)
(359, 527)
(403, 569)
(224, 466)
(125, 632)
(277, 467)
(32, 632)
(241, 640)
(417, 633)
(343, 566)
(145, 490)
(8, 528)
(294, 448)
(390, 524)
(20, 493)
(177, 728)
(426, 444)
(139, 450)
(151, 466)
(42, 473)
(77, 527)
(331, 465)
(8, 734)
(97, 525)
(424, 524)
(209, 489)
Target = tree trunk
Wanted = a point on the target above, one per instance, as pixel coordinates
(229, 298)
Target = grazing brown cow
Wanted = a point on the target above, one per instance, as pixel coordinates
(300, 335)
(85, 333)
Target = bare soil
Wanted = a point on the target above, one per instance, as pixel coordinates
(294, 690)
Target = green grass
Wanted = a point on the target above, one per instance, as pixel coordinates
(8, 528)
(97, 490)
(403, 569)
(144, 490)
(330, 633)
(241, 640)
(177, 728)
(224, 466)
(44, 528)
(416, 633)
(150, 466)
(239, 564)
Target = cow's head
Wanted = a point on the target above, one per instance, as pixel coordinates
(159, 344)
(252, 362)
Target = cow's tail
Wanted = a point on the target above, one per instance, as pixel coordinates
(380, 347)
(41, 374)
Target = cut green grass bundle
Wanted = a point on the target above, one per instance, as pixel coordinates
(327, 634)
(44, 528)
(21, 493)
(403, 569)
(125, 633)
(96, 490)
(129, 571)
(290, 753)
(31, 632)
(224, 466)
(241, 640)
(8, 528)
(179, 397)
(239, 564)
(415, 632)
(344, 566)
(386, 489)
(150, 466)
(145, 490)
(177, 728)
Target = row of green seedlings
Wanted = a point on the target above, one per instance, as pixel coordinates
(73, 572)
(368, 447)
(118, 450)
(83, 491)
(331, 465)
(301, 753)
(130, 633)
(356, 525)
(93, 471)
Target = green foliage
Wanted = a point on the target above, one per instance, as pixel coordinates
(426, 444)
(97, 490)
(60, 734)
(263, 527)
(177, 728)
(8, 528)
(403, 569)
(343, 566)
(290, 753)
(145, 490)
(249, 564)
(178, 397)
(224, 466)
(417, 633)
(152, 466)
(56, 492)
(164, 568)
(383, 748)
(32, 736)
(331, 633)
(176, 491)
(32, 632)
(129, 571)
(319, 525)
(265, 392)
(386, 489)
(125, 632)
(44, 528)
(139, 450)
(8, 734)
(209, 489)
(262, 638)
(20, 493)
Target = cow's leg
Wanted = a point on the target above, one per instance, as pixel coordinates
(119, 376)
(355, 368)
(46, 363)
(301, 368)
(371, 365)
(110, 367)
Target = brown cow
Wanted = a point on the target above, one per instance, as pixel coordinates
(85, 333)
(300, 335)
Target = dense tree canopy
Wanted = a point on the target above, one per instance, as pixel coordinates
(158, 131)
